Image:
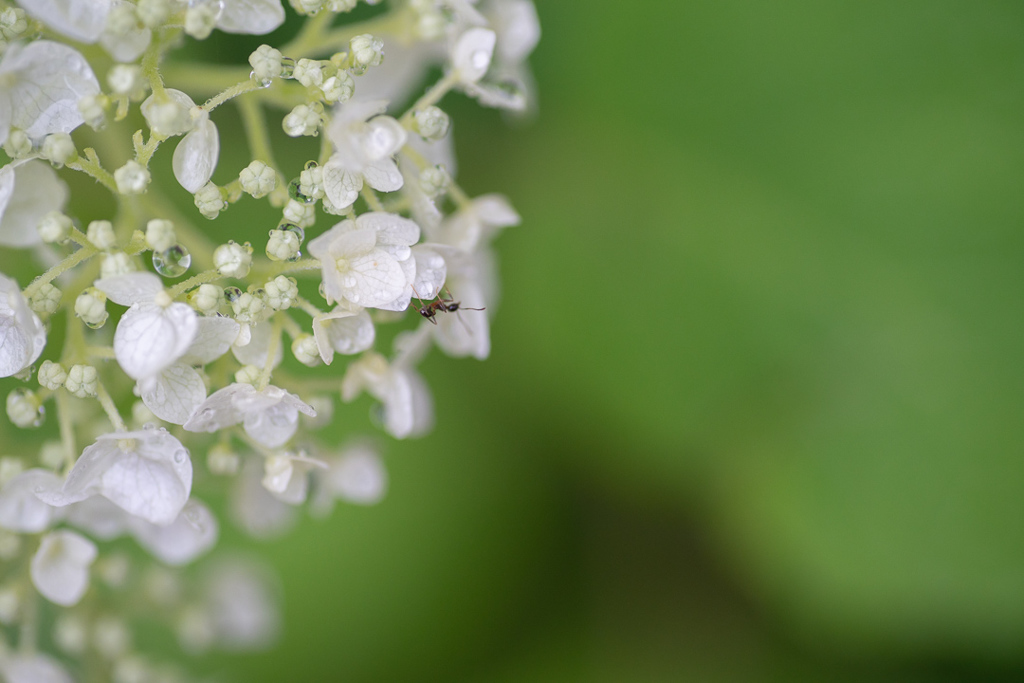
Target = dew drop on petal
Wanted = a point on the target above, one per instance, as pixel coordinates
(296, 230)
(402, 252)
(348, 281)
(172, 262)
(232, 293)
(287, 67)
(180, 456)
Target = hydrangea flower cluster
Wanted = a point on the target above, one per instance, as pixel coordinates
(145, 357)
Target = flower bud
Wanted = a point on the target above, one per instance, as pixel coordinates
(82, 381)
(91, 307)
(281, 292)
(305, 350)
(132, 178)
(154, 13)
(300, 213)
(200, 20)
(13, 24)
(24, 409)
(258, 179)
(45, 299)
(302, 120)
(283, 245)
(18, 145)
(210, 200)
(54, 227)
(116, 263)
(58, 149)
(220, 459)
(248, 374)
(52, 375)
(101, 234)
(207, 298)
(340, 5)
(311, 182)
(233, 259)
(434, 181)
(307, 6)
(431, 123)
(127, 79)
(160, 235)
(121, 21)
(309, 72)
(367, 51)
(166, 115)
(9, 469)
(93, 109)
(338, 88)
(248, 308)
(266, 63)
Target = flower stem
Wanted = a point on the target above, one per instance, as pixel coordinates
(194, 281)
(234, 91)
(68, 263)
(109, 408)
(275, 343)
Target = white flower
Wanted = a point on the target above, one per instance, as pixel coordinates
(285, 476)
(40, 85)
(356, 476)
(20, 510)
(183, 540)
(38, 668)
(60, 568)
(146, 473)
(124, 38)
(369, 262)
(343, 330)
(362, 151)
(254, 509)
(175, 392)
(518, 29)
(270, 416)
(132, 178)
(154, 332)
(407, 406)
(257, 346)
(83, 20)
(258, 179)
(22, 336)
(241, 605)
(195, 157)
(255, 17)
(28, 191)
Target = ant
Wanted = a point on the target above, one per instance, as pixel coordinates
(449, 305)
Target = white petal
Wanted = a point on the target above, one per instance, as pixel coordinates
(183, 540)
(274, 425)
(22, 335)
(408, 408)
(391, 230)
(242, 604)
(49, 80)
(468, 333)
(343, 331)
(33, 669)
(341, 186)
(254, 509)
(195, 157)
(83, 20)
(150, 337)
(508, 95)
(28, 191)
(255, 352)
(255, 17)
(20, 509)
(147, 474)
(270, 415)
(471, 56)
(431, 272)
(60, 568)
(383, 175)
(182, 99)
(219, 410)
(132, 288)
(383, 137)
(126, 47)
(214, 337)
(518, 29)
(495, 211)
(99, 517)
(174, 393)
(373, 279)
(358, 477)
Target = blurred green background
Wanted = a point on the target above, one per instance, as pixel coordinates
(753, 408)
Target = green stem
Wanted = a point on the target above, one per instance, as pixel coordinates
(194, 281)
(68, 263)
(431, 97)
(67, 429)
(91, 167)
(109, 408)
(275, 342)
(234, 91)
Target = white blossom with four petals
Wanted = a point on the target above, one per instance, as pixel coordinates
(60, 568)
(364, 144)
(269, 415)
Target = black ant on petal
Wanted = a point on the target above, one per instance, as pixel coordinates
(449, 305)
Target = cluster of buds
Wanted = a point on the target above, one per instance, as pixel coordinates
(195, 336)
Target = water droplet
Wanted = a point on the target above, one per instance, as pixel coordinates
(322, 290)
(294, 229)
(435, 263)
(180, 456)
(354, 298)
(311, 164)
(402, 252)
(95, 325)
(172, 262)
(149, 426)
(479, 59)
(293, 190)
(232, 294)
(349, 281)
(287, 67)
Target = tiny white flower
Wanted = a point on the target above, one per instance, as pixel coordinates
(91, 307)
(24, 409)
(116, 264)
(125, 38)
(93, 109)
(343, 330)
(29, 190)
(282, 292)
(305, 350)
(45, 299)
(22, 336)
(270, 416)
(302, 120)
(338, 88)
(37, 668)
(126, 79)
(266, 63)
(54, 227)
(286, 476)
(207, 299)
(20, 510)
(132, 178)
(13, 23)
(364, 143)
(222, 460)
(248, 308)
(52, 375)
(169, 113)
(471, 54)
(369, 261)
(160, 235)
(60, 568)
(367, 51)
(82, 381)
(101, 234)
(58, 149)
(41, 83)
(200, 20)
(154, 332)
(407, 406)
(145, 473)
(299, 213)
(210, 200)
(309, 72)
(431, 122)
